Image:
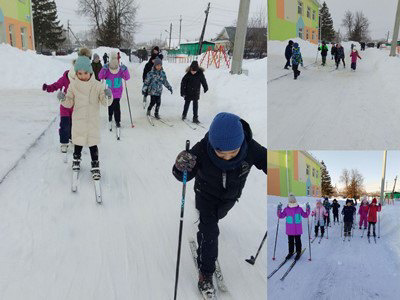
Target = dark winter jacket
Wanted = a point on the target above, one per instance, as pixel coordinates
(297, 59)
(324, 50)
(289, 50)
(96, 69)
(147, 68)
(339, 54)
(216, 185)
(105, 58)
(333, 50)
(327, 205)
(335, 207)
(348, 213)
(153, 85)
(190, 85)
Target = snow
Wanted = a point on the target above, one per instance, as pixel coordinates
(329, 109)
(60, 245)
(349, 270)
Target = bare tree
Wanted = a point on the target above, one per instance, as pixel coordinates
(353, 183)
(347, 22)
(357, 26)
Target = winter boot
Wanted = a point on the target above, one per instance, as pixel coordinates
(156, 115)
(183, 117)
(298, 254)
(196, 120)
(148, 112)
(95, 170)
(76, 163)
(118, 124)
(64, 148)
(289, 255)
(205, 284)
(359, 227)
(368, 234)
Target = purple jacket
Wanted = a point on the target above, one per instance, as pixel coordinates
(61, 83)
(114, 81)
(293, 219)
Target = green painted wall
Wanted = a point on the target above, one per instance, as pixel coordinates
(16, 9)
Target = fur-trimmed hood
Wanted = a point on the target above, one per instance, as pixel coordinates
(200, 69)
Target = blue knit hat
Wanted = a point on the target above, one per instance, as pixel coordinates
(226, 132)
(83, 63)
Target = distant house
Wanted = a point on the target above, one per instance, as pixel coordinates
(192, 48)
(16, 26)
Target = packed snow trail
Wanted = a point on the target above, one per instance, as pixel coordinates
(61, 245)
(327, 108)
(349, 270)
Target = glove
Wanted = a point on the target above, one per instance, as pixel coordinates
(308, 206)
(61, 95)
(44, 87)
(279, 206)
(185, 161)
(108, 93)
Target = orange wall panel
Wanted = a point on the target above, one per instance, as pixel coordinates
(274, 182)
(280, 9)
(296, 165)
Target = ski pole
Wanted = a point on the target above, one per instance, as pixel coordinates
(341, 229)
(129, 105)
(252, 259)
(379, 226)
(276, 238)
(184, 179)
(327, 230)
(309, 236)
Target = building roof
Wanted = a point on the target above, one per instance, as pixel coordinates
(196, 42)
(231, 31)
(309, 155)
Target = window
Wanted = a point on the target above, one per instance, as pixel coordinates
(307, 34)
(308, 191)
(23, 38)
(300, 7)
(12, 35)
(313, 36)
(307, 170)
(308, 12)
(316, 174)
(314, 14)
(301, 33)
(313, 172)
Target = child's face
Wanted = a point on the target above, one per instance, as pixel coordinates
(348, 204)
(193, 72)
(319, 204)
(227, 155)
(83, 75)
(158, 67)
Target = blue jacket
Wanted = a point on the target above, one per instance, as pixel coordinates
(297, 59)
(153, 85)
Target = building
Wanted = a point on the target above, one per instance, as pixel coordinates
(191, 48)
(294, 172)
(289, 19)
(16, 23)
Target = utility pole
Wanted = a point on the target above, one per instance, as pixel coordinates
(383, 177)
(387, 38)
(69, 38)
(207, 11)
(170, 33)
(180, 31)
(240, 36)
(395, 31)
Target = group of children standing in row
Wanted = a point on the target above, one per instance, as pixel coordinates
(321, 213)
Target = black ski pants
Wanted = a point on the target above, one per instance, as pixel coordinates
(373, 227)
(195, 108)
(317, 227)
(65, 129)
(291, 240)
(323, 60)
(154, 100)
(115, 109)
(336, 216)
(296, 71)
(337, 61)
(94, 152)
(354, 66)
(347, 227)
(287, 63)
(207, 236)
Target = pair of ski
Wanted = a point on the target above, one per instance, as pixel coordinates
(219, 278)
(192, 125)
(319, 241)
(348, 238)
(289, 269)
(151, 118)
(97, 187)
(369, 240)
(118, 131)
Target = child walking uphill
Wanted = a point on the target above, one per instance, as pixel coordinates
(85, 94)
(319, 213)
(220, 164)
(113, 73)
(297, 60)
(327, 206)
(335, 211)
(153, 86)
(294, 228)
(348, 213)
(190, 89)
(363, 212)
(354, 55)
(373, 215)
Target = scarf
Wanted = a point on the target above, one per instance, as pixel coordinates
(227, 165)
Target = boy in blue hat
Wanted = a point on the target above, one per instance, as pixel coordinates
(297, 60)
(220, 164)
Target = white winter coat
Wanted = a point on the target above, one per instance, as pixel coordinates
(85, 97)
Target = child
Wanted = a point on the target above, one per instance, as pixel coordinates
(153, 86)
(372, 215)
(348, 212)
(96, 65)
(296, 60)
(155, 53)
(335, 210)
(288, 54)
(294, 229)
(220, 164)
(363, 212)
(333, 51)
(105, 58)
(354, 55)
(327, 206)
(190, 89)
(339, 56)
(85, 94)
(324, 52)
(113, 73)
(319, 213)
(62, 85)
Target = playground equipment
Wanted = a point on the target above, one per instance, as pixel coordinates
(214, 57)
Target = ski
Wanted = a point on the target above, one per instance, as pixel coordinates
(118, 133)
(312, 241)
(200, 125)
(97, 190)
(189, 125)
(369, 241)
(75, 175)
(363, 233)
(277, 269)
(220, 278)
(65, 159)
(375, 239)
(292, 265)
(164, 122)
(150, 120)
(320, 239)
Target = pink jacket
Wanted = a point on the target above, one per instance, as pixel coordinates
(61, 83)
(319, 213)
(354, 56)
(293, 219)
(114, 81)
(363, 211)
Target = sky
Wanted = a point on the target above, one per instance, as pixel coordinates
(155, 17)
(368, 163)
(380, 13)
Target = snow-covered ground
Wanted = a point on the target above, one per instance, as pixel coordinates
(333, 109)
(59, 245)
(338, 270)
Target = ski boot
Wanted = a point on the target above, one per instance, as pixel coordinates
(206, 286)
(196, 120)
(183, 117)
(118, 124)
(148, 112)
(95, 170)
(157, 116)
(298, 254)
(76, 163)
(64, 148)
(289, 255)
